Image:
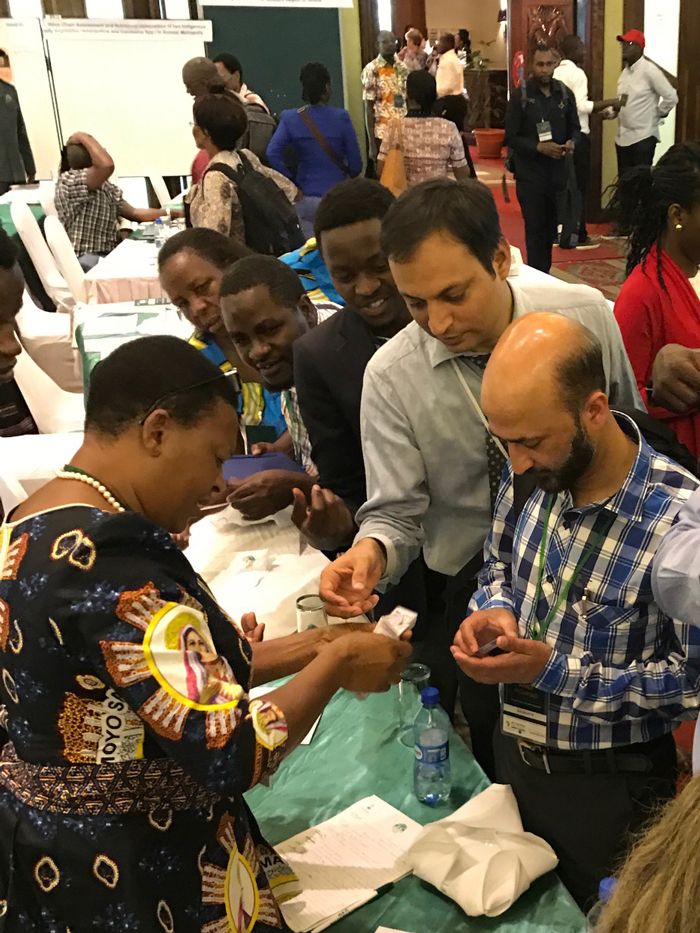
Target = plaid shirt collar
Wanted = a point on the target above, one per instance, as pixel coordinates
(628, 501)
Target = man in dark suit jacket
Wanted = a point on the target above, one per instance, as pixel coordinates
(330, 360)
(16, 159)
(329, 367)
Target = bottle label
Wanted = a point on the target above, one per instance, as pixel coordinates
(432, 755)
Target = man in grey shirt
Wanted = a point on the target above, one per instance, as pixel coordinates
(432, 468)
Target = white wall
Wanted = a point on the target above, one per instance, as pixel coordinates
(480, 17)
(661, 26)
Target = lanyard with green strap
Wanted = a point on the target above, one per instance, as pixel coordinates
(539, 631)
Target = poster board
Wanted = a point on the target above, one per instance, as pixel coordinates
(121, 81)
(22, 40)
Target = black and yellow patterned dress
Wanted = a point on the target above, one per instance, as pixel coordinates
(132, 739)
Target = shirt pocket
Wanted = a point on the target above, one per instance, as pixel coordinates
(612, 632)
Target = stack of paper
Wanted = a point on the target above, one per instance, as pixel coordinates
(343, 862)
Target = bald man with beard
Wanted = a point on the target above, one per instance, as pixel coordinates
(594, 676)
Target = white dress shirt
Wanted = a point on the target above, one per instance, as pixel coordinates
(576, 80)
(651, 97)
(425, 447)
(450, 75)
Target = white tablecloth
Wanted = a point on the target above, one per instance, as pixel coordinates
(294, 571)
(128, 273)
(27, 194)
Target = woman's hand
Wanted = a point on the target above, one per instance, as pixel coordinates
(253, 631)
(369, 663)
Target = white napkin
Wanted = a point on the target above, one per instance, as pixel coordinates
(480, 856)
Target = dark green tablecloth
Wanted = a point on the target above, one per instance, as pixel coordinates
(92, 356)
(6, 217)
(355, 753)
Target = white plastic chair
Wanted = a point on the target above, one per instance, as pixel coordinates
(30, 461)
(64, 254)
(30, 233)
(161, 189)
(55, 411)
(47, 197)
(47, 339)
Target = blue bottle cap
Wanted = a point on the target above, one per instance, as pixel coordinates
(606, 888)
(430, 696)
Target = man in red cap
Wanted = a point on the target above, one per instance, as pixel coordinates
(647, 98)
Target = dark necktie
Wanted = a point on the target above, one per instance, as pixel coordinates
(494, 457)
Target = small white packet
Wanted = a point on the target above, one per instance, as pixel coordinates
(398, 621)
(393, 625)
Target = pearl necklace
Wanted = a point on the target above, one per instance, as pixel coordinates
(96, 485)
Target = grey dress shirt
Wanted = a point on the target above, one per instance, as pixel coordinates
(424, 444)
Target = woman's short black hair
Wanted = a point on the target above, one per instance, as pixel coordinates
(230, 63)
(422, 88)
(8, 252)
(166, 370)
(351, 202)
(281, 280)
(221, 251)
(465, 210)
(222, 117)
(314, 78)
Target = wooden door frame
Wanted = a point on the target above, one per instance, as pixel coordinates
(595, 54)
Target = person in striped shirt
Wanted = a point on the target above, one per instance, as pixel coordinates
(594, 675)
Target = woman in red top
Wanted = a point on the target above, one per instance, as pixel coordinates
(658, 309)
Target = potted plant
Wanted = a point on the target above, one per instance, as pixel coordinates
(489, 140)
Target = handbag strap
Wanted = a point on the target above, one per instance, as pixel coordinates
(477, 407)
(315, 131)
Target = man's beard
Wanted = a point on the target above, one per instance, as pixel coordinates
(573, 467)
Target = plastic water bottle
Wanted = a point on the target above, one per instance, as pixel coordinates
(160, 234)
(431, 736)
(605, 892)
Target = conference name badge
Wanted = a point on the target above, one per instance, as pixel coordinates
(524, 712)
(544, 131)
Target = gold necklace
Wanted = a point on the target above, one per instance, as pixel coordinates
(96, 485)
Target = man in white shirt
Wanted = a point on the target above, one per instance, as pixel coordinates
(647, 98)
(570, 72)
(450, 70)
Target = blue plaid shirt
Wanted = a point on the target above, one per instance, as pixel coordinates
(627, 672)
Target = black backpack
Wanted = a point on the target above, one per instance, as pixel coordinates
(260, 130)
(270, 221)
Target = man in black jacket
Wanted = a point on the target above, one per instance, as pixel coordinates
(16, 159)
(542, 128)
(330, 361)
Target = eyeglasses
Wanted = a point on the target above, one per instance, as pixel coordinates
(231, 374)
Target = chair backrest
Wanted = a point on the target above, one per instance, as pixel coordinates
(47, 338)
(161, 189)
(47, 197)
(65, 257)
(55, 411)
(30, 233)
(30, 461)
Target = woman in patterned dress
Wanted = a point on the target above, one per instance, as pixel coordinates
(121, 796)
(432, 146)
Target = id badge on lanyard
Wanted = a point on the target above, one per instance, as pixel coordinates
(525, 713)
(544, 131)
